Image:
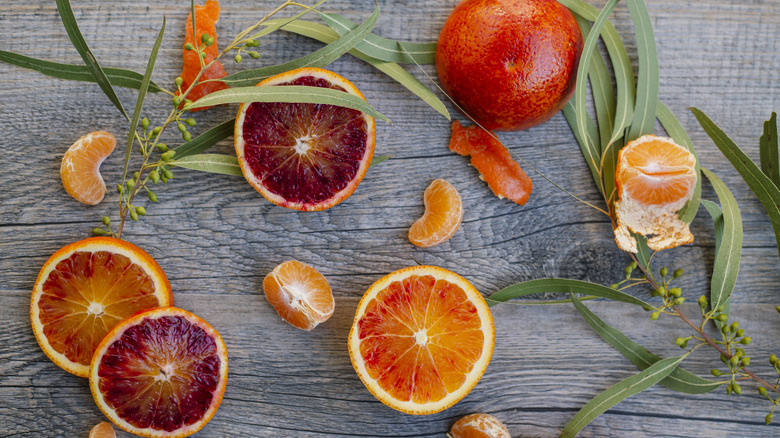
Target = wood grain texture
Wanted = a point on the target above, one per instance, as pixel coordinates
(216, 237)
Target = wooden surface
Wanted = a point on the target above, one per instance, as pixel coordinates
(216, 237)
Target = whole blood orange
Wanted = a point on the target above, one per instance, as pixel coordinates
(84, 290)
(421, 339)
(160, 373)
(509, 64)
(304, 156)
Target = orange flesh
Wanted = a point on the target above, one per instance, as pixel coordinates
(493, 161)
(86, 295)
(479, 426)
(80, 169)
(102, 430)
(408, 345)
(299, 294)
(656, 173)
(443, 215)
(206, 17)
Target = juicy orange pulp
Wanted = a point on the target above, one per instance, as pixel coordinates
(420, 341)
(443, 215)
(206, 17)
(493, 161)
(479, 426)
(80, 168)
(299, 294)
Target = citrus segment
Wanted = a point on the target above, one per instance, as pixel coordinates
(479, 426)
(206, 17)
(443, 215)
(160, 373)
(102, 430)
(84, 290)
(80, 167)
(304, 156)
(299, 294)
(655, 178)
(421, 339)
(503, 174)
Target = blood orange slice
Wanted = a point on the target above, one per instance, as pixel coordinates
(160, 373)
(84, 290)
(80, 167)
(421, 339)
(304, 156)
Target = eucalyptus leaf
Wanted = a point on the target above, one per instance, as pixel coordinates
(679, 380)
(289, 94)
(585, 142)
(619, 392)
(379, 160)
(642, 251)
(675, 130)
(591, 147)
(728, 242)
(647, 77)
(381, 48)
(116, 76)
(203, 142)
(279, 23)
(768, 150)
(562, 285)
(139, 104)
(327, 35)
(72, 27)
(212, 163)
(717, 221)
(766, 192)
(601, 87)
(319, 58)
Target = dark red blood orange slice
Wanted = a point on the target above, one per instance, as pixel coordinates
(305, 157)
(160, 373)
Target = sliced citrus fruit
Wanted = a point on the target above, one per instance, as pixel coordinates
(304, 156)
(160, 373)
(84, 290)
(479, 426)
(299, 294)
(206, 17)
(421, 339)
(80, 168)
(442, 217)
(504, 175)
(102, 430)
(655, 177)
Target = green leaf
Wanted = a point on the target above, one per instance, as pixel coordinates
(320, 58)
(601, 87)
(562, 285)
(591, 138)
(203, 142)
(273, 25)
(590, 145)
(381, 48)
(642, 251)
(289, 94)
(679, 380)
(379, 160)
(647, 78)
(326, 35)
(69, 21)
(116, 76)
(139, 104)
(766, 192)
(675, 130)
(621, 66)
(728, 242)
(717, 221)
(619, 392)
(768, 149)
(212, 163)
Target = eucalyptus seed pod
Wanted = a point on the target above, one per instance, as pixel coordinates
(155, 176)
(141, 211)
(168, 156)
(238, 59)
(772, 358)
(133, 214)
(176, 100)
(762, 391)
(254, 55)
(130, 184)
(716, 372)
(740, 333)
(181, 127)
(106, 220)
(162, 147)
(703, 302)
(191, 122)
(152, 196)
(189, 46)
(168, 174)
(100, 232)
(664, 271)
(746, 340)
(145, 123)
(187, 136)
(120, 189)
(734, 361)
(204, 37)
(679, 301)
(737, 389)
(655, 315)
(677, 273)
(768, 418)
(179, 81)
(745, 361)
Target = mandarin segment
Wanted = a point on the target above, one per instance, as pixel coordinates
(479, 426)
(160, 373)
(304, 156)
(80, 167)
(442, 217)
(421, 339)
(299, 294)
(206, 17)
(655, 177)
(102, 430)
(85, 289)
(495, 164)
